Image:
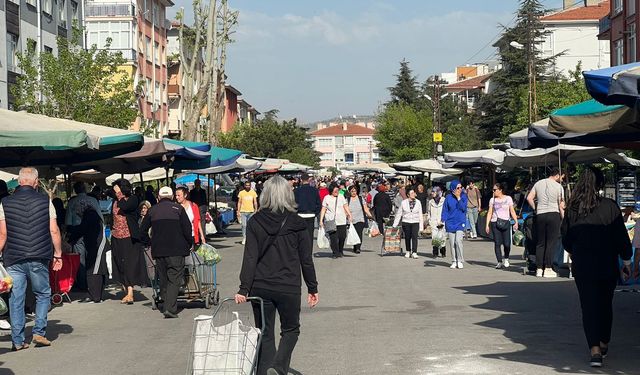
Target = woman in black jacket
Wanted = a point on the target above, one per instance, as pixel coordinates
(128, 259)
(277, 254)
(382, 208)
(593, 232)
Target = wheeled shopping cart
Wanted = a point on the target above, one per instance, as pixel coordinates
(227, 342)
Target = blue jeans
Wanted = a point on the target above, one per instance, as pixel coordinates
(472, 216)
(38, 273)
(245, 216)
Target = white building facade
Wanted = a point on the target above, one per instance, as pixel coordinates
(345, 144)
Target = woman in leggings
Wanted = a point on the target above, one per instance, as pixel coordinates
(501, 209)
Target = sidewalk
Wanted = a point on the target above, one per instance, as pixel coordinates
(377, 315)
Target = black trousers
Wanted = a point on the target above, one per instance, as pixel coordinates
(411, 236)
(170, 277)
(95, 286)
(596, 298)
(311, 225)
(288, 307)
(337, 238)
(359, 228)
(548, 234)
(380, 222)
(501, 238)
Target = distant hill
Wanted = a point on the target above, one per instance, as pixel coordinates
(359, 118)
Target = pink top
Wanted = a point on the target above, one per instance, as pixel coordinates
(501, 208)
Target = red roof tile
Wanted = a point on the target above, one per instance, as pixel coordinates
(352, 129)
(469, 84)
(594, 12)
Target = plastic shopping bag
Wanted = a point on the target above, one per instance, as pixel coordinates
(210, 228)
(439, 238)
(6, 281)
(374, 231)
(208, 254)
(3, 307)
(352, 236)
(323, 241)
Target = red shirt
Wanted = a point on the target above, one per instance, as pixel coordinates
(323, 193)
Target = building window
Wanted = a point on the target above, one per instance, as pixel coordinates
(156, 93)
(12, 52)
(164, 94)
(362, 141)
(348, 140)
(326, 156)
(631, 43)
(32, 3)
(147, 49)
(618, 52)
(62, 13)
(156, 13)
(48, 49)
(75, 14)
(348, 158)
(163, 56)
(47, 6)
(147, 90)
(119, 31)
(363, 157)
(156, 53)
(617, 6)
(325, 142)
(631, 7)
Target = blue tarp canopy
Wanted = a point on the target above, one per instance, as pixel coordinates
(614, 85)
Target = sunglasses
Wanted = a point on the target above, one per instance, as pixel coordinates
(459, 188)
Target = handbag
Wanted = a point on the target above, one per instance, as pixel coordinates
(501, 224)
(330, 225)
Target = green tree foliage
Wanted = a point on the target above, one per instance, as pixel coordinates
(461, 135)
(404, 133)
(78, 84)
(270, 138)
(406, 89)
(500, 108)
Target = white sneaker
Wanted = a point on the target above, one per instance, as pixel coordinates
(539, 272)
(460, 265)
(505, 263)
(499, 265)
(550, 273)
(414, 255)
(407, 255)
(4, 325)
(244, 242)
(453, 265)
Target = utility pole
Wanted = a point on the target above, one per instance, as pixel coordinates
(437, 115)
(531, 54)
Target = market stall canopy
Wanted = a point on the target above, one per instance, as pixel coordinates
(152, 155)
(427, 165)
(188, 155)
(148, 176)
(37, 140)
(614, 85)
(488, 156)
(189, 179)
(371, 168)
(541, 157)
(293, 168)
(241, 165)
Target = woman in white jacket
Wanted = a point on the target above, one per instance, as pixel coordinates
(410, 212)
(435, 221)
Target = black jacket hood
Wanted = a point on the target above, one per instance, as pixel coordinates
(271, 222)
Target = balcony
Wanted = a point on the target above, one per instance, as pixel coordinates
(129, 54)
(604, 25)
(110, 10)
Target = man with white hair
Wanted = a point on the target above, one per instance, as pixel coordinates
(28, 227)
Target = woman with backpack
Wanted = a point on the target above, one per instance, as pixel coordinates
(499, 216)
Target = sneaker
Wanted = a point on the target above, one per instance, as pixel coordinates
(19, 347)
(460, 265)
(41, 341)
(454, 265)
(407, 255)
(243, 242)
(499, 265)
(550, 273)
(4, 324)
(505, 263)
(604, 350)
(596, 360)
(414, 255)
(539, 272)
(272, 371)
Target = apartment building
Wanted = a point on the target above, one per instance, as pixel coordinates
(345, 144)
(41, 21)
(619, 28)
(138, 29)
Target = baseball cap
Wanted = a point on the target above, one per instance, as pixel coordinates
(165, 192)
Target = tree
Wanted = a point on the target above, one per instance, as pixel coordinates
(83, 85)
(500, 107)
(203, 55)
(272, 139)
(404, 133)
(406, 89)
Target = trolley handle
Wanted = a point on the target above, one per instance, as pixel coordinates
(257, 299)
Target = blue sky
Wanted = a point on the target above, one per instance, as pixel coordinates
(315, 60)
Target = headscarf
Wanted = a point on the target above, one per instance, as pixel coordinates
(453, 185)
(403, 193)
(438, 192)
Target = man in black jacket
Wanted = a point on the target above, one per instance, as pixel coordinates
(309, 204)
(171, 241)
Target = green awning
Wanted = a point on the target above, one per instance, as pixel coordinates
(590, 117)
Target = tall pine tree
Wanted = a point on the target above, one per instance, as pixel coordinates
(500, 108)
(406, 89)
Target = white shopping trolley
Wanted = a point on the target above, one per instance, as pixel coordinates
(223, 343)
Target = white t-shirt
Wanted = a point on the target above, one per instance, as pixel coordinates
(335, 213)
(191, 216)
(52, 211)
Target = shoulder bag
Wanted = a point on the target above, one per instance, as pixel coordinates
(501, 224)
(330, 225)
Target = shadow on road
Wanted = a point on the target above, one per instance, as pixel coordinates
(5, 371)
(544, 317)
(54, 330)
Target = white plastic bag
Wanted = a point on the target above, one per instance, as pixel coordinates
(352, 236)
(374, 231)
(323, 241)
(210, 228)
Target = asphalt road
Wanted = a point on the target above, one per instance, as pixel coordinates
(377, 315)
